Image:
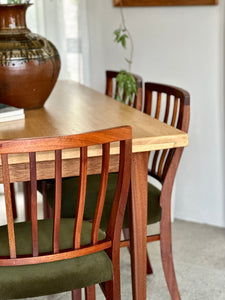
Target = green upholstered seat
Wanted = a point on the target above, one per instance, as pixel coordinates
(70, 191)
(55, 277)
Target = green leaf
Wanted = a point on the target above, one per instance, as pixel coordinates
(120, 37)
(17, 1)
(123, 40)
(117, 34)
(126, 86)
(128, 61)
(14, 1)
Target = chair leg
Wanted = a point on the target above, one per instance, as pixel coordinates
(76, 295)
(12, 190)
(112, 289)
(167, 257)
(126, 234)
(90, 292)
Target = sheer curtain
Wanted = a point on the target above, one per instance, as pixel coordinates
(64, 23)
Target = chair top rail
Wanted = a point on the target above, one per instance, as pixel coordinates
(65, 142)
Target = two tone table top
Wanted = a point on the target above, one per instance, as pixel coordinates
(73, 108)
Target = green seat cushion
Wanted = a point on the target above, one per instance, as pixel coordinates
(55, 277)
(70, 191)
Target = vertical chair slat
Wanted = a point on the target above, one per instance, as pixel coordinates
(154, 162)
(158, 106)
(164, 166)
(130, 102)
(174, 111)
(168, 97)
(148, 102)
(168, 162)
(157, 112)
(170, 152)
(138, 98)
(116, 89)
(8, 204)
(125, 97)
(161, 163)
(102, 193)
(164, 153)
(118, 202)
(181, 114)
(33, 186)
(58, 196)
(81, 197)
(109, 87)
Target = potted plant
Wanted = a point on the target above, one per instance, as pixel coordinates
(126, 82)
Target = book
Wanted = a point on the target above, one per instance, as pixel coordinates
(10, 113)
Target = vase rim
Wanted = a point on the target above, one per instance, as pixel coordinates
(17, 5)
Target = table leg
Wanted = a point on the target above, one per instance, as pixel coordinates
(138, 224)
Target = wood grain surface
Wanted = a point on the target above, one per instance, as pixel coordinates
(164, 2)
(74, 109)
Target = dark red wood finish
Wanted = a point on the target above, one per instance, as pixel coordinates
(111, 244)
(171, 105)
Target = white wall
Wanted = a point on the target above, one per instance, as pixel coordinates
(183, 46)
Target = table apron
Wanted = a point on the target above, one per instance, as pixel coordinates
(70, 167)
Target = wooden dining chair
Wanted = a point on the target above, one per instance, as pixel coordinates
(170, 105)
(112, 89)
(42, 257)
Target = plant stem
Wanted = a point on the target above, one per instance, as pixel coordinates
(129, 35)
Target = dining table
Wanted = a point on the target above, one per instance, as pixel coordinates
(73, 108)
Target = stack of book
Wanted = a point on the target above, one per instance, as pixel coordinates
(10, 113)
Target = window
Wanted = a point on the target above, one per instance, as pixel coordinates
(58, 21)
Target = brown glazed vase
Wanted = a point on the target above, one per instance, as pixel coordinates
(29, 63)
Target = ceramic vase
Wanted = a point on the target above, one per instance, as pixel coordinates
(29, 63)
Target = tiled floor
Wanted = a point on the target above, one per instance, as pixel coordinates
(199, 258)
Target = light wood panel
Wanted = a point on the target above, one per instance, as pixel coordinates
(165, 2)
(74, 109)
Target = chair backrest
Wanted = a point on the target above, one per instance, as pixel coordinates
(56, 145)
(170, 105)
(112, 88)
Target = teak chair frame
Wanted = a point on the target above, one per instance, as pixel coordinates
(111, 243)
(168, 161)
(163, 167)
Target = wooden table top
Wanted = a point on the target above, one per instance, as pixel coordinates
(73, 108)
